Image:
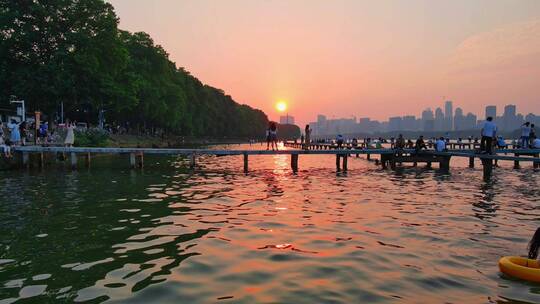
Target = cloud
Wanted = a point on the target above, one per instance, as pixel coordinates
(513, 47)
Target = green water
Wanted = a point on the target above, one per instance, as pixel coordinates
(168, 235)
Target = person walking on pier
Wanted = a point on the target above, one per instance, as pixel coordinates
(307, 137)
(489, 132)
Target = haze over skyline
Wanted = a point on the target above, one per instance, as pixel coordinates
(348, 57)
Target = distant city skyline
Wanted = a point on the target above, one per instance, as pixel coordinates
(440, 120)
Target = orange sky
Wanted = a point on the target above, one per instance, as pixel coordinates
(348, 58)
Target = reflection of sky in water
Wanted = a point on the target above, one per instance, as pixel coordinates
(170, 235)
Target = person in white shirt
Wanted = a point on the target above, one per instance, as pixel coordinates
(440, 145)
(489, 131)
(525, 133)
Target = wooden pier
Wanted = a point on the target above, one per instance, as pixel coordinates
(387, 157)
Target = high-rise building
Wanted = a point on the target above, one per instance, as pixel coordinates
(491, 111)
(439, 119)
(395, 123)
(428, 123)
(448, 115)
(509, 119)
(459, 119)
(408, 123)
(286, 120)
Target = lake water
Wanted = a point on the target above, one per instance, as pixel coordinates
(216, 235)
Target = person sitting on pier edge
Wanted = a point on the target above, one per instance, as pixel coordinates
(420, 144)
(525, 133)
(440, 145)
(501, 144)
(534, 245)
(489, 132)
(339, 141)
(307, 138)
(410, 144)
(5, 147)
(536, 143)
(355, 143)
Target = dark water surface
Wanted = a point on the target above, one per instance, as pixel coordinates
(168, 235)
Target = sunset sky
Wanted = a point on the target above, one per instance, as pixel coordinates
(347, 58)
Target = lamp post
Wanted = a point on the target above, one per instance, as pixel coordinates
(22, 106)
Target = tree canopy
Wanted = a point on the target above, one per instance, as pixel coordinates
(72, 52)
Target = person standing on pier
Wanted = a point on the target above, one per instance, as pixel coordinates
(272, 131)
(489, 131)
(23, 132)
(307, 137)
(15, 135)
(70, 136)
(525, 133)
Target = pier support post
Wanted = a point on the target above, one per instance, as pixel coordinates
(516, 162)
(338, 169)
(392, 160)
(26, 159)
(140, 163)
(192, 161)
(536, 165)
(445, 164)
(488, 167)
(88, 160)
(294, 163)
(132, 160)
(428, 165)
(73, 158)
(246, 168)
(471, 162)
(41, 160)
(345, 158)
(384, 160)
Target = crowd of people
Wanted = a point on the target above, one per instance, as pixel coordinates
(488, 140)
(20, 133)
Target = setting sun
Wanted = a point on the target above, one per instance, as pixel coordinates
(281, 106)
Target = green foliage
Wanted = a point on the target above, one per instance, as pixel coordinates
(91, 138)
(72, 51)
